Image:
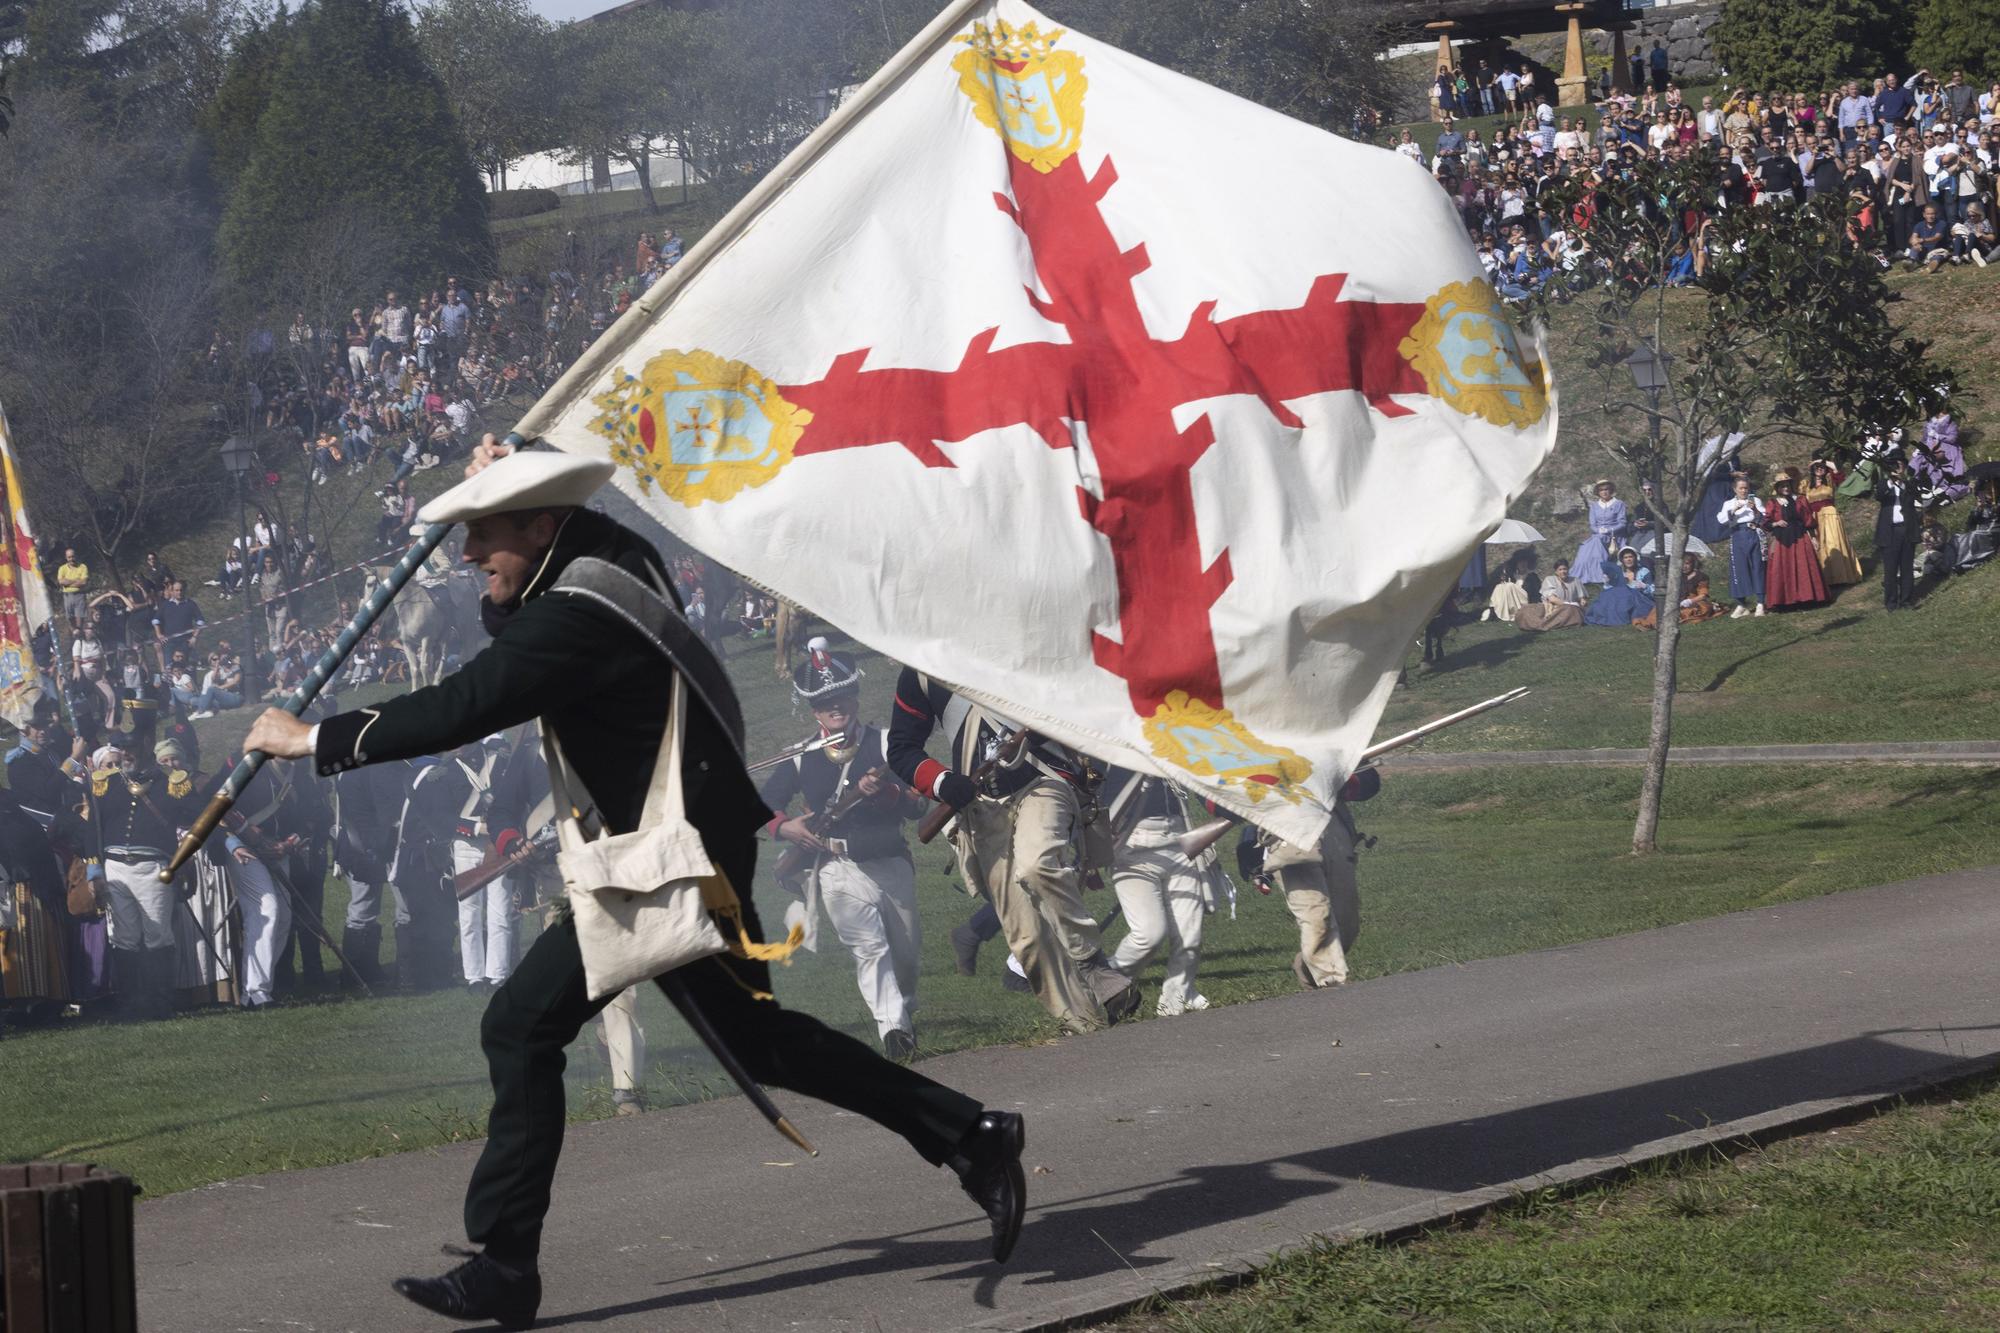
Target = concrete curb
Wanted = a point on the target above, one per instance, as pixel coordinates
(1971, 753)
(1230, 1270)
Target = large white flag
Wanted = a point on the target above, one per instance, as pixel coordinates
(1152, 418)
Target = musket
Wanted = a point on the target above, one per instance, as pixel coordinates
(794, 858)
(793, 752)
(1198, 840)
(1411, 737)
(1006, 756)
(464, 885)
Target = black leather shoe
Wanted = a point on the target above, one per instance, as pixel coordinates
(965, 949)
(989, 1167)
(479, 1288)
(899, 1046)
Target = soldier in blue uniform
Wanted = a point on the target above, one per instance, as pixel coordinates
(860, 867)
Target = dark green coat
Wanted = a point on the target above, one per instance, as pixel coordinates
(589, 676)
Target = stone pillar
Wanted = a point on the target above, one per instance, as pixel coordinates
(1621, 63)
(1573, 88)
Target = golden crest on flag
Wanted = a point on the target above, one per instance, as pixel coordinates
(697, 426)
(1020, 85)
(1470, 358)
(1209, 742)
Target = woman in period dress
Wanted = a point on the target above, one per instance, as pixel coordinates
(1981, 538)
(1627, 598)
(1791, 576)
(1510, 594)
(1837, 561)
(1742, 517)
(1609, 524)
(1696, 604)
(1561, 606)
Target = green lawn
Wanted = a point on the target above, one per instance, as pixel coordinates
(1468, 864)
(1889, 1223)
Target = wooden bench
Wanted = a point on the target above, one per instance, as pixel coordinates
(66, 1250)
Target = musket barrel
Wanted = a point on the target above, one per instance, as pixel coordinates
(1416, 734)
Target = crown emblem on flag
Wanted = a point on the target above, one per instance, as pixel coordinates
(1022, 86)
(697, 426)
(1004, 41)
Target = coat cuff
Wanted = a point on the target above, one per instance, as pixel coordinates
(337, 747)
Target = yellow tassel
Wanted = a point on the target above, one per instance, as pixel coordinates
(719, 897)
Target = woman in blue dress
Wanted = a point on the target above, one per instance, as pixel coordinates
(1609, 524)
(1743, 516)
(1628, 594)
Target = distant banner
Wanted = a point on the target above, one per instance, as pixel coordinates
(25, 608)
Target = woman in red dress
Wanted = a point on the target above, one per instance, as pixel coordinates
(1792, 575)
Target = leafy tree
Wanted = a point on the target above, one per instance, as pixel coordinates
(1313, 61)
(626, 85)
(1804, 44)
(1958, 34)
(105, 311)
(133, 59)
(229, 119)
(1783, 332)
(355, 116)
(497, 61)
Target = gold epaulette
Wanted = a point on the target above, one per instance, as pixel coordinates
(100, 781)
(179, 783)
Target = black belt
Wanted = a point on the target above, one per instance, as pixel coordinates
(133, 855)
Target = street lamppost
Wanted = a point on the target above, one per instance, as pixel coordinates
(1649, 372)
(239, 456)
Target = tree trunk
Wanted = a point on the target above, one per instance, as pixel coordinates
(1666, 655)
(642, 166)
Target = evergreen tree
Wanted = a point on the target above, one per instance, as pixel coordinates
(356, 121)
(229, 122)
(1958, 34)
(1793, 44)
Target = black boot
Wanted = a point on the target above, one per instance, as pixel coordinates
(363, 947)
(989, 1167)
(161, 968)
(479, 1288)
(965, 949)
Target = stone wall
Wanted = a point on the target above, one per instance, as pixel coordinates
(1686, 29)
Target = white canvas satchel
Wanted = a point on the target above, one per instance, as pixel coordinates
(638, 897)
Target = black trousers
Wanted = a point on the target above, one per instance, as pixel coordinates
(541, 1008)
(1898, 557)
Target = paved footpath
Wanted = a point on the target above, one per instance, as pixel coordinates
(1972, 753)
(1158, 1152)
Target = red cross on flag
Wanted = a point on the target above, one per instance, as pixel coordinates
(1151, 418)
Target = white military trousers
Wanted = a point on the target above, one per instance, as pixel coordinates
(873, 907)
(624, 1041)
(140, 909)
(486, 920)
(267, 919)
(1164, 903)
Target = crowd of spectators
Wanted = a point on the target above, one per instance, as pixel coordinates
(1915, 159)
(397, 387)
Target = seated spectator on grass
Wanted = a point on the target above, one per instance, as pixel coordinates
(1696, 603)
(1930, 242)
(1981, 538)
(1940, 464)
(1627, 597)
(1561, 606)
(1511, 594)
(221, 686)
